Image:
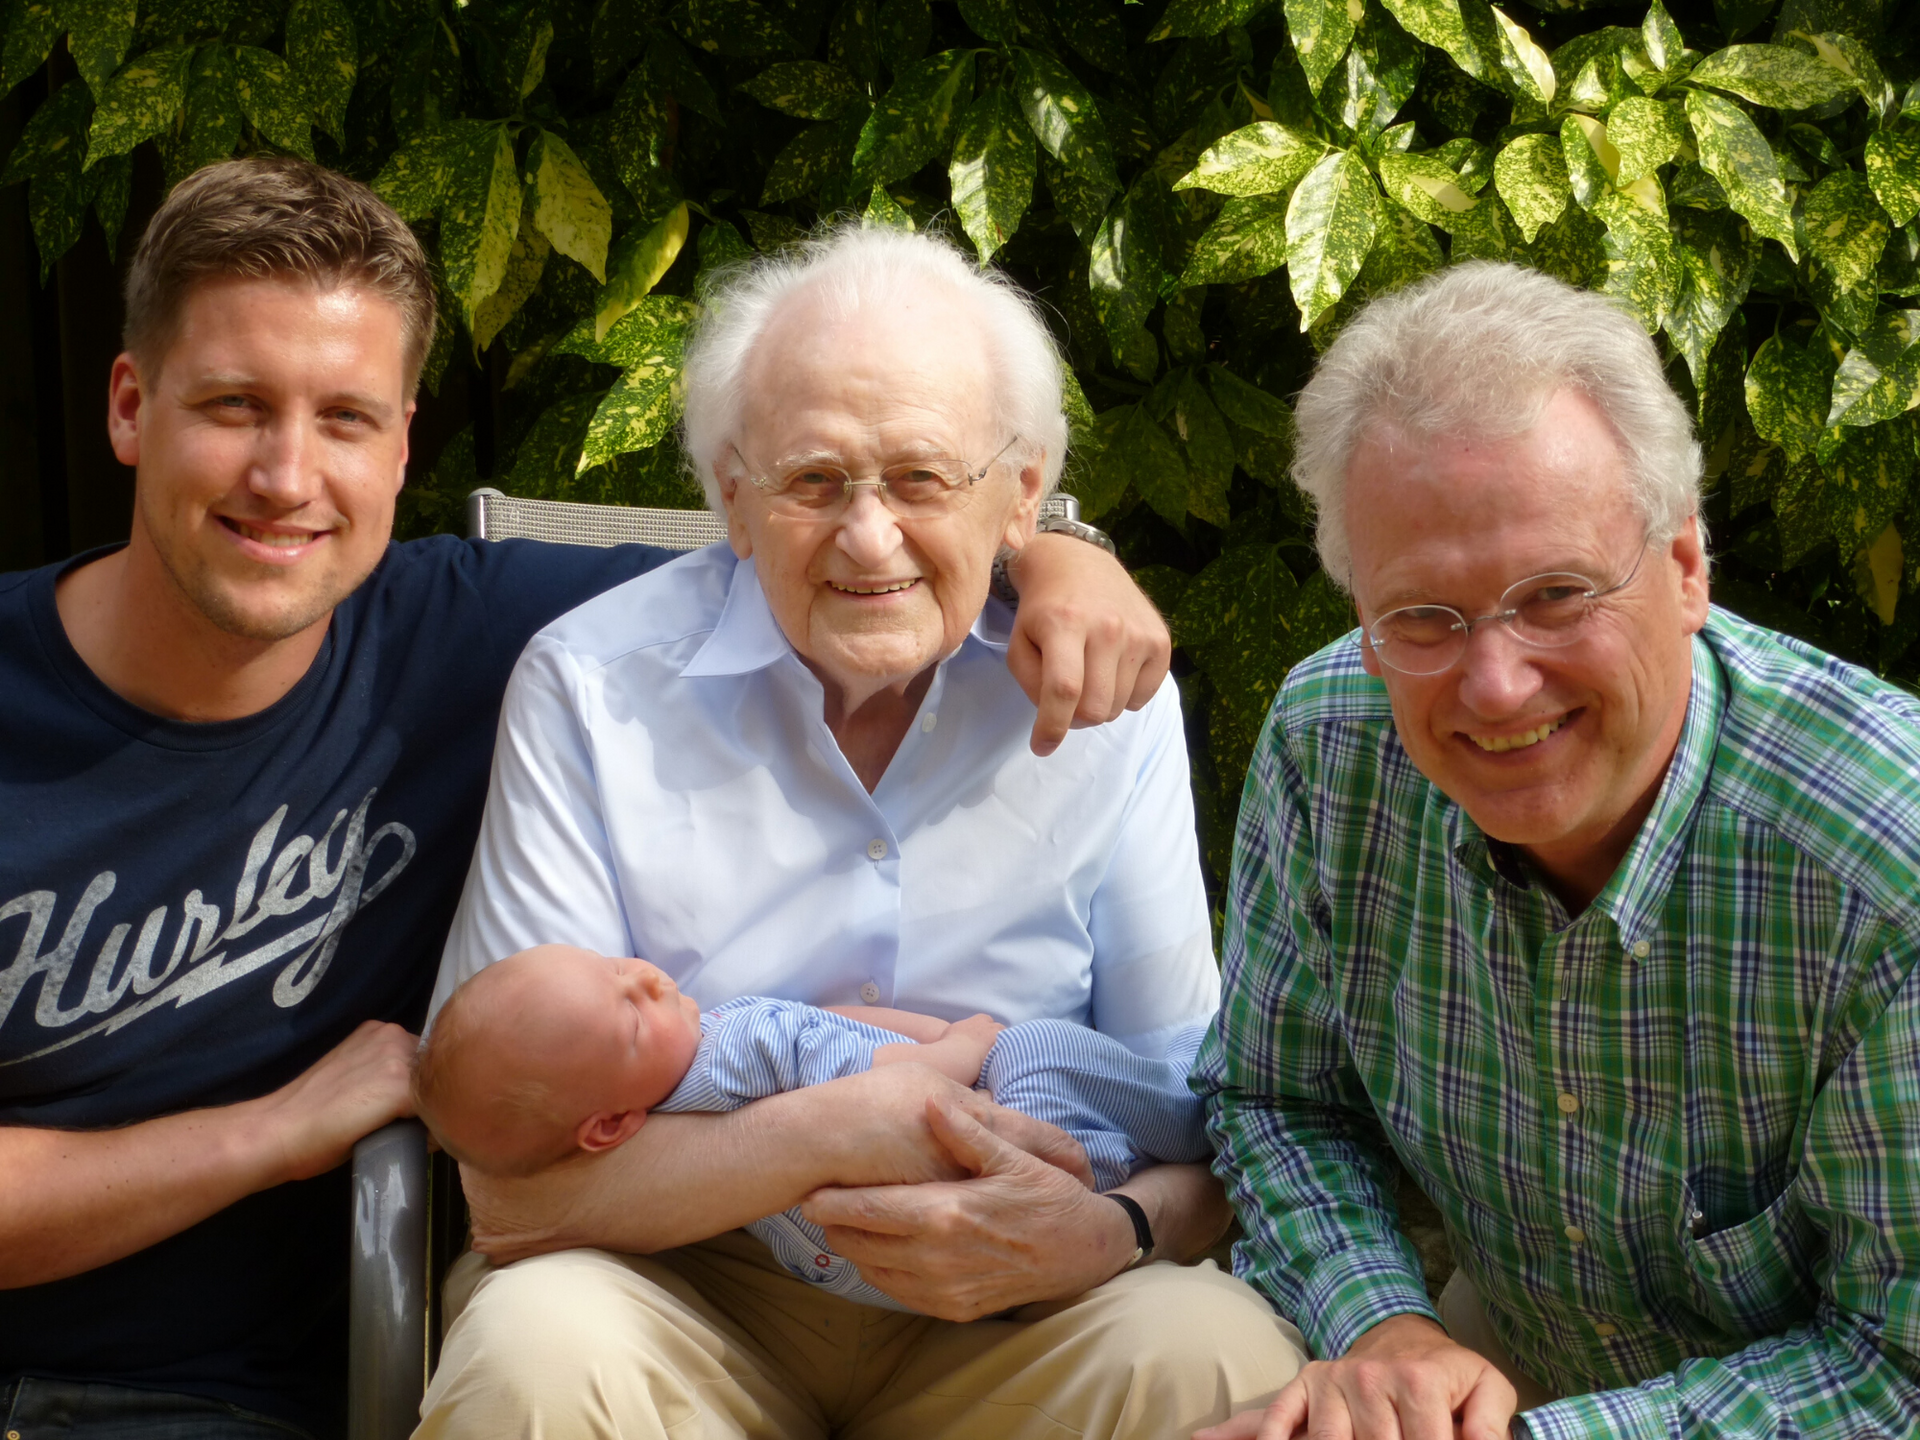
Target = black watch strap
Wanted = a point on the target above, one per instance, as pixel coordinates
(1142, 1231)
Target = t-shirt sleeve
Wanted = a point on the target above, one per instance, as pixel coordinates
(754, 1048)
(526, 585)
(543, 870)
(1153, 966)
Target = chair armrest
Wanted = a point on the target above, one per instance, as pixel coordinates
(388, 1283)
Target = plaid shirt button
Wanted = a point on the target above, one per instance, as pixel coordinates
(1568, 1103)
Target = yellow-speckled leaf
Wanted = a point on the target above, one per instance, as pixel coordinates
(992, 171)
(806, 88)
(913, 121)
(479, 218)
(1772, 75)
(1432, 22)
(54, 139)
(1593, 162)
(29, 40)
(1331, 221)
(1660, 37)
(1426, 185)
(1531, 176)
(651, 334)
(1526, 64)
(639, 259)
(1880, 377)
(1264, 158)
(1138, 452)
(1717, 256)
(636, 413)
(1248, 405)
(1123, 270)
(1247, 239)
(884, 211)
(1735, 153)
(737, 28)
(139, 101)
(1646, 134)
(99, 32)
(1572, 247)
(1064, 117)
(1198, 423)
(1877, 574)
(1845, 227)
(1867, 472)
(1486, 232)
(805, 163)
(210, 120)
(1642, 268)
(567, 206)
(1893, 169)
(416, 178)
(525, 262)
(324, 54)
(276, 103)
(1321, 31)
(1235, 623)
(1788, 389)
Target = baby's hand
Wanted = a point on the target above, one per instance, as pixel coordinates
(958, 1053)
(980, 1029)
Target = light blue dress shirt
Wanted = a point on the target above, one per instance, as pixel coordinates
(665, 786)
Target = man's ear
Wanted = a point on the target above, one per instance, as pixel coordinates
(608, 1129)
(737, 535)
(124, 394)
(406, 443)
(1026, 510)
(1691, 558)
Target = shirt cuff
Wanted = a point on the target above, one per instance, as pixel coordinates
(1351, 1291)
(1635, 1414)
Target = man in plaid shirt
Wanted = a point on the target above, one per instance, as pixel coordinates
(1590, 905)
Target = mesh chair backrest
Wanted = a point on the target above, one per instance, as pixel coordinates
(494, 516)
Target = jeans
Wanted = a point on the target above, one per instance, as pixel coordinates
(46, 1409)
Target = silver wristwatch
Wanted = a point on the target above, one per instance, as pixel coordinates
(1059, 515)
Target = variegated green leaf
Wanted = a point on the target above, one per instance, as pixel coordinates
(1321, 31)
(1263, 158)
(548, 457)
(525, 262)
(479, 217)
(57, 203)
(138, 102)
(1772, 75)
(1199, 18)
(1526, 64)
(884, 211)
(426, 80)
(619, 34)
(1531, 176)
(1867, 472)
(636, 413)
(1788, 389)
(1404, 248)
(1247, 238)
(1593, 162)
(673, 71)
(1854, 60)
(914, 120)
(1845, 227)
(1331, 220)
(992, 171)
(30, 36)
(1201, 429)
(1736, 154)
(1718, 256)
(1572, 247)
(638, 261)
(653, 333)
(1123, 270)
(806, 88)
(99, 32)
(210, 120)
(416, 179)
(112, 194)
(744, 29)
(1647, 134)
(1432, 22)
(1660, 37)
(1880, 377)
(804, 164)
(568, 207)
(276, 103)
(1488, 232)
(1471, 161)
(1063, 116)
(1642, 268)
(992, 20)
(324, 53)
(1893, 169)
(1427, 186)
(54, 138)
(1248, 405)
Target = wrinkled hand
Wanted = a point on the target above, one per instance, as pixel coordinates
(1404, 1379)
(351, 1091)
(1018, 1230)
(1087, 645)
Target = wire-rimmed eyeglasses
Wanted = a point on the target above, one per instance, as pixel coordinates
(1546, 611)
(817, 488)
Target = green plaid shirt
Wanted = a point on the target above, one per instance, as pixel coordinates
(1676, 1140)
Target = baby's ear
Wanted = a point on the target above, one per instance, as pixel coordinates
(608, 1129)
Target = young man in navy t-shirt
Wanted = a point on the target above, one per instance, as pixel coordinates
(221, 745)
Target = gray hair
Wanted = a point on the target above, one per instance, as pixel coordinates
(857, 268)
(1479, 349)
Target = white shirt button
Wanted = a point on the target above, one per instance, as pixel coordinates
(869, 992)
(929, 720)
(1575, 1235)
(1568, 1103)
(1641, 949)
(876, 849)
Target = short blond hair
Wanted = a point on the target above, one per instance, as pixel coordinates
(265, 217)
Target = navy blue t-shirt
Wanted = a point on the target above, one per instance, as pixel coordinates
(192, 914)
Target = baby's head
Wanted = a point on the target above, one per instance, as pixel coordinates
(551, 1051)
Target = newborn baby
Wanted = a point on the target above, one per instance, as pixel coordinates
(557, 1051)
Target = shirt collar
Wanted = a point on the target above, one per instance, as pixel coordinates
(748, 638)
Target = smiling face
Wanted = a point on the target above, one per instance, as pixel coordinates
(270, 443)
(869, 599)
(1560, 751)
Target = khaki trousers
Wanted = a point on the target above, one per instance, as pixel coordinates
(716, 1340)
(1464, 1314)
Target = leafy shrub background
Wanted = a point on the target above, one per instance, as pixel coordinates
(1201, 192)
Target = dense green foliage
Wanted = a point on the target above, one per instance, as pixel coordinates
(1201, 191)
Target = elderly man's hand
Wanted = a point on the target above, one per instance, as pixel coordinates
(1404, 1379)
(1087, 645)
(1019, 1230)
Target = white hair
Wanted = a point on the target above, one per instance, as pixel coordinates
(1479, 350)
(854, 269)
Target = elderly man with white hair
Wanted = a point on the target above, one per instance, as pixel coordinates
(794, 765)
(1592, 906)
